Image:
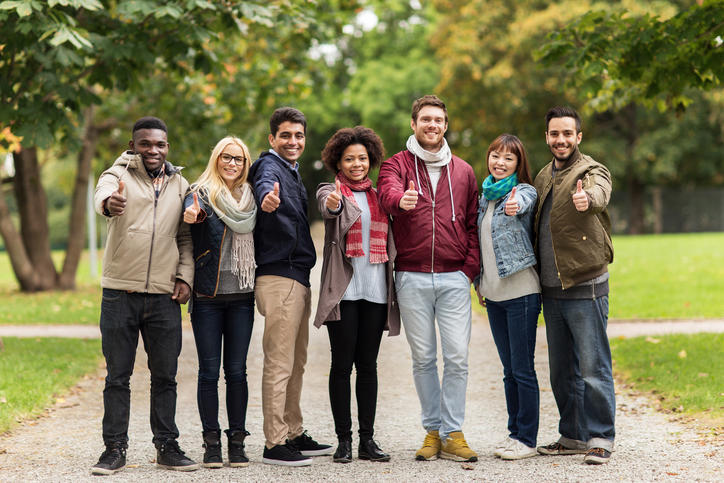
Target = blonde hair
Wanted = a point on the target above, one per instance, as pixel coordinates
(211, 181)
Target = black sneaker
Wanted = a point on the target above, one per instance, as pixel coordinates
(112, 460)
(170, 457)
(308, 447)
(597, 456)
(557, 449)
(285, 455)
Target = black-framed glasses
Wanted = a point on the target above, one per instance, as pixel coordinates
(228, 158)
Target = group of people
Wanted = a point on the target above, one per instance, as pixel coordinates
(403, 254)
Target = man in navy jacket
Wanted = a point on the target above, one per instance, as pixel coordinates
(285, 255)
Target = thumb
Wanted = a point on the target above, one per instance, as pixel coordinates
(512, 194)
(579, 186)
(412, 185)
(276, 189)
(339, 187)
(121, 187)
(196, 201)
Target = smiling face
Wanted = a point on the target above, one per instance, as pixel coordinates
(230, 164)
(502, 164)
(151, 145)
(355, 162)
(289, 141)
(430, 127)
(562, 137)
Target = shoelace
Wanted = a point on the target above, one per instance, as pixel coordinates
(429, 440)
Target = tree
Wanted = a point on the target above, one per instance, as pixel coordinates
(62, 57)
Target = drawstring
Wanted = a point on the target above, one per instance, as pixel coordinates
(452, 200)
(417, 173)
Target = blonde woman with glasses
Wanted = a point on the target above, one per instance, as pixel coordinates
(221, 210)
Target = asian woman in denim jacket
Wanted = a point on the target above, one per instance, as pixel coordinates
(509, 288)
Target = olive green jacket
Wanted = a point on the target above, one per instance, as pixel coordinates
(581, 240)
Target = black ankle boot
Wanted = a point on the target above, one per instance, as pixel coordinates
(212, 449)
(344, 452)
(237, 456)
(368, 450)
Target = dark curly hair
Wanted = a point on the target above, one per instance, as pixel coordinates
(332, 152)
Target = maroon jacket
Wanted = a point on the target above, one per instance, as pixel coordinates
(427, 238)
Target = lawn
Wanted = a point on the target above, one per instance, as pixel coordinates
(684, 372)
(37, 371)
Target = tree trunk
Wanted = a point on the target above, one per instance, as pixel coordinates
(636, 199)
(76, 233)
(635, 186)
(33, 211)
(19, 260)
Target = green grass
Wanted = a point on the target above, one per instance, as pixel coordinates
(668, 276)
(81, 306)
(36, 371)
(683, 371)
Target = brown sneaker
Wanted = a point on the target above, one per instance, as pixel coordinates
(456, 448)
(430, 447)
(597, 456)
(557, 449)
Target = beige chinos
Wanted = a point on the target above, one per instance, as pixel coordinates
(286, 307)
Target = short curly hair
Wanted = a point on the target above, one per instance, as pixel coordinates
(332, 152)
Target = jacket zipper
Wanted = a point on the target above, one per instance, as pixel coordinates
(432, 198)
(550, 229)
(153, 232)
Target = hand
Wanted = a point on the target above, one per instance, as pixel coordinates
(580, 198)
(271, 201)
(116, 203)
(181, 292)
(409, 198)
(334, 198)
(511, 206)
(481, 299)
(192, 212)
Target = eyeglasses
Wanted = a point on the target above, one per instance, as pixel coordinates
(228, 158)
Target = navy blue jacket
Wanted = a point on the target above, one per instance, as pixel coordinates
(282, 242)
(207, 237)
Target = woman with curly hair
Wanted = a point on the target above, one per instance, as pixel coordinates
(222, 213)
(356, 300)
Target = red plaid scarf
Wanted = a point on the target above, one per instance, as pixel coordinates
(378, 225)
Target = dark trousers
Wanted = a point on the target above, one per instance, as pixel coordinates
(158, 319)
(513, 324)
(355, 339)
(218, 322)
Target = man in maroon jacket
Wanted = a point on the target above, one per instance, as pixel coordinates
(433, 199)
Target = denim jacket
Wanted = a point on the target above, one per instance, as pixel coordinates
(512, 235)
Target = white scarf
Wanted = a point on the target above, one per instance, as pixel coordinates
(438, 159)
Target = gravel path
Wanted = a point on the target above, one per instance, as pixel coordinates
(66, 442)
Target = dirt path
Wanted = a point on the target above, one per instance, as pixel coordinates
(64, 445)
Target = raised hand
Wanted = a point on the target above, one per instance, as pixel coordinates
(511, 206)
(192, 212)
(409, 198)
(580, 198)
(116, 203)
(334, 198)
(271, 201)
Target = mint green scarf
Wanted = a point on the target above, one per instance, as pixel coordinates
(493, 190)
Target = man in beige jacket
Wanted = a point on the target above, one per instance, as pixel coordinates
(147, 273)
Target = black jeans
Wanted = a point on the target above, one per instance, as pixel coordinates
(158, 318)
(355, 339)
(217, 321)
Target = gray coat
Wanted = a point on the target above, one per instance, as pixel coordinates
(337, 269)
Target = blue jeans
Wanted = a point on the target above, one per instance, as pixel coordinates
(227, 322)
(513, 324)
(158, 319)
(581, 375)
(445, 297)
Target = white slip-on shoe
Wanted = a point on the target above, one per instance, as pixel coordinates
(518, 451)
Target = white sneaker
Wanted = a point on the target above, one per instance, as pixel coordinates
(503, 445)
(518, 451)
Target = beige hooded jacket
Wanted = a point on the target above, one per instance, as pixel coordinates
(149, 246)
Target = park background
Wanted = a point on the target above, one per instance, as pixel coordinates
(646, 76)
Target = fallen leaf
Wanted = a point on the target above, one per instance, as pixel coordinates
(467, 466)
(652, 340)
(682, 354)
(671, 473)
(3, 400)
(702, 374)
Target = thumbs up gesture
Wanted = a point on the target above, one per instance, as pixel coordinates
(511, 206)
(192, 212)
(580, 198)
(334, 198)
(271, 201)
(116, 203)
(409, 198)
